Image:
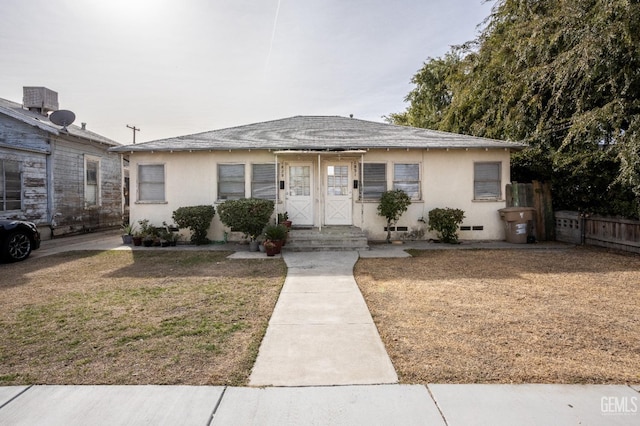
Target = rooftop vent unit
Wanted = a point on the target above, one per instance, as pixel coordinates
(39, 99)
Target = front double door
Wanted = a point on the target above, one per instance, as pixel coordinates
(336, 202)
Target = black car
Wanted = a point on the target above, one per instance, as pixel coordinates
(17, 239)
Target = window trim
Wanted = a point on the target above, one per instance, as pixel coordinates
(419, 181)
(499, 196)
(93, 159)
(139, 182)
(3, 199)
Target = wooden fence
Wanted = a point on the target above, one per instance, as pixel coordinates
(538, 196)
(602, 231)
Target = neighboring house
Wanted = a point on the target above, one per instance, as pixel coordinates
(64, 180)
(325, 171)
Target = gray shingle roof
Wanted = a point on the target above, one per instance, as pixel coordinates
(318, 133)
(15, 110)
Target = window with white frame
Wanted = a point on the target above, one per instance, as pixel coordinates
(230, 181)
(91, 181)
(487, 181)
(407, 178)
(263, 181)
(10, 185)
(374, 181)
(151, 183)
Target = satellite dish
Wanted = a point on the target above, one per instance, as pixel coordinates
(62, 118)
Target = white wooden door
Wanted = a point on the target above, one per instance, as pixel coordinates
(338, 194)
(300, 194)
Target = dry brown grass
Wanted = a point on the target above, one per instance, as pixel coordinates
(519, 316)
(144, 317)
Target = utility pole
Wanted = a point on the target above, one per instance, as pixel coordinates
(135, 129)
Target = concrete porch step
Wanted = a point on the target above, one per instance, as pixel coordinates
(334, 238)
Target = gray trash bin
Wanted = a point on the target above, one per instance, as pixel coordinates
(518, 222)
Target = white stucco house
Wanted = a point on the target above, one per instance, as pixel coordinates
(325, 170)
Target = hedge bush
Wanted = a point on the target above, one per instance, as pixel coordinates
(247, 215)
(197, 219)
(445, 222)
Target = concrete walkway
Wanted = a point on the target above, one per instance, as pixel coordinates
(319, 303)
(321, 331)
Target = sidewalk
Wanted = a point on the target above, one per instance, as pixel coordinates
(432, 405)
(318, 304)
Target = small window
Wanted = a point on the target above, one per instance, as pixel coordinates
(91, 188)
(230, 181)
(151, 182)
(486, 181)
(374, 181)
(263, 181)
(10, 185)
(407, 178)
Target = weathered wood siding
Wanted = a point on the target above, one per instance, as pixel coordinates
(71, 214)
(33, 148)
(28, 146)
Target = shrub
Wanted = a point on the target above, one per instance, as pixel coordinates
(275, 232)
(247, 215)
(197, 219)
(445, 222)
(392, 204)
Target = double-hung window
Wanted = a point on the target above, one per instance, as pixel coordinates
(91, 181)
(263, 181)
(230, 181)
(486, 181)
(10, 185)
(374, 181)
(407, 178)
(151, 183)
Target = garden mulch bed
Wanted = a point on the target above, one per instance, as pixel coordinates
(508, 316)
(143, 317)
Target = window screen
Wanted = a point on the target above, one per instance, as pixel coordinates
(151, 182)
(486, 181)
(230, 181)
(407, 178)
(374, 180)
(263, 181)
(91, 183)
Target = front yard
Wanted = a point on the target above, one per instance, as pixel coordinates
(184, 317)
(121, 317)
(516, 316)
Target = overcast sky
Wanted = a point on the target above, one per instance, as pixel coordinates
(176, 67)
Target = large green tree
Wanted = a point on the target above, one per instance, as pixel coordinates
(561, 75)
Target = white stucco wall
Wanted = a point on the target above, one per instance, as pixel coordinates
(447, 181)
(446, 178)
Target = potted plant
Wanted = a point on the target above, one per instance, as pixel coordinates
(137, 239)
(147, 232)
(127, 233)
(392, 204)
(283, 218)
(270, 248)
(276, 234)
